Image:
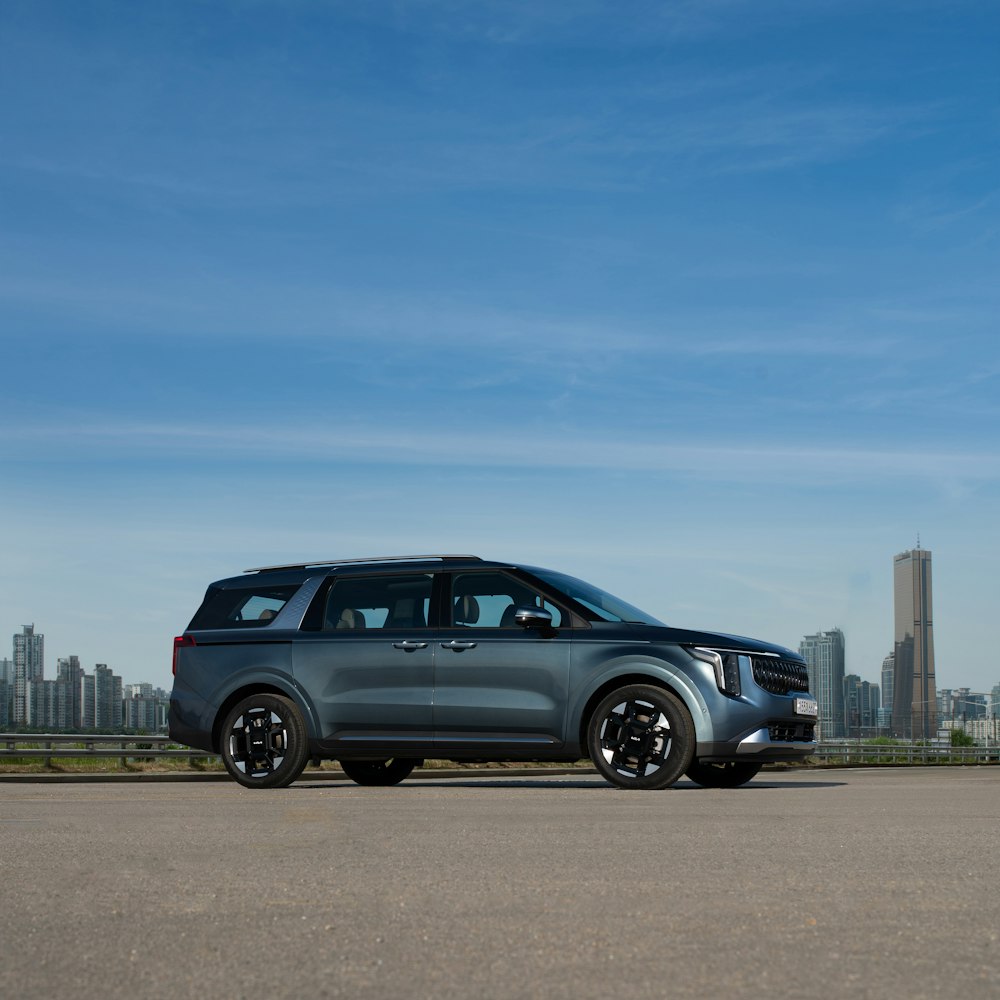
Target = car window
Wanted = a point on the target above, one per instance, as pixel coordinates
(605, 606)
(401, 601)
(489, 600)
(241, 608)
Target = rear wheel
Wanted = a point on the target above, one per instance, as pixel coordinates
(378, 772)
(730, 774)
(641, 736)
(264, 742)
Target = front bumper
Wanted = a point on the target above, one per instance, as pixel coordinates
(761, 742)
(776, 742)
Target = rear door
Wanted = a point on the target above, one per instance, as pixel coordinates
(369, 669)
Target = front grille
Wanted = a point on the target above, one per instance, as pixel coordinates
(791, 732)
(780, 676)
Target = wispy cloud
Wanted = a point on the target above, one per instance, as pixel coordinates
(192, 303)
(504, 448)
(271, 143)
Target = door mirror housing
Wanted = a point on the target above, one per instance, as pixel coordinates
(533, 617)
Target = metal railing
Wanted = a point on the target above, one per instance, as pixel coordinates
(126, 747)
(888, 754)
(93, 745)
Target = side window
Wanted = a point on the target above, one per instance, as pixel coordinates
(241, 608)
(489, 600)
(373, 602)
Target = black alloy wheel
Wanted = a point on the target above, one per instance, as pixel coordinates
(641, 736)
(264, 742)
(730, 774)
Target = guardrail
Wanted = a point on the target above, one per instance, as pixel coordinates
(94, 745)
(54, 745)
(904, 753)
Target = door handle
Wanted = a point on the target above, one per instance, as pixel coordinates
(409, 645)
(458, 646)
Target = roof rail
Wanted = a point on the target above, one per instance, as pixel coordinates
(330, 563)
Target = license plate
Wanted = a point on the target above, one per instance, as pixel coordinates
(806, 706)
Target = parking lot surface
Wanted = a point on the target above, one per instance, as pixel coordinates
(835, 883)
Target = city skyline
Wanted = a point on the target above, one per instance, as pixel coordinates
(824, 652)
(73, 700)
(849, 706)
(697, 303)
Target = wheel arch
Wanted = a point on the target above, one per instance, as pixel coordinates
(246, 691)
(689, 696)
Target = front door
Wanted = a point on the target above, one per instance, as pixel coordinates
(497, 685)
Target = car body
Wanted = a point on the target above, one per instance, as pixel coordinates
(380, 663)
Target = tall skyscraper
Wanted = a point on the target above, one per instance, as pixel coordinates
(29, 656)
(824, 656)
(914, 704)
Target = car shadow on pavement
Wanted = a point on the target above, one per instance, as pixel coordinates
(591, 784)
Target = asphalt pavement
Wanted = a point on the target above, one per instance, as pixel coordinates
(812, 884)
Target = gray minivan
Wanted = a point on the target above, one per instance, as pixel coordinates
(381, 663)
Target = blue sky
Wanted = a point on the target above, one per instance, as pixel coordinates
(697, 300)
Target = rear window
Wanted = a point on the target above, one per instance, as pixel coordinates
(253, 607)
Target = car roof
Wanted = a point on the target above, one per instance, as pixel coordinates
(330, 564)
(295, 574)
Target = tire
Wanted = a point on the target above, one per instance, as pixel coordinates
(731, 774)
(378, 772)
(641, 736)
(264, 742)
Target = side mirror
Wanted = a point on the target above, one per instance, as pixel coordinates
(533, 617)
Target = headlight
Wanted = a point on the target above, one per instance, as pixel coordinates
(726, 666)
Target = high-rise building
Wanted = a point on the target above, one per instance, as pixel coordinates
(107, 698)
(914, 704)
(824, 656)
(69, 675)
(870, 699)
(6, 691)
(962, 705)
(142, 713)
(852, 705)
(88, 702)
(885, 709)
(43, 705)
(888, 672)
(861, 706)
(29, 657)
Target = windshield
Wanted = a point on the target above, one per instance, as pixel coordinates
(605, 606)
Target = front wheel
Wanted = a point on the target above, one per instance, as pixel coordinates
(641, 736)
(264, 742)
(730, 774)
(378, 772)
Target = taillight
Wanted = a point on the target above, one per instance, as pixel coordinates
(181, 640)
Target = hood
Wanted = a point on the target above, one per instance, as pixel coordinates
(713, 640)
